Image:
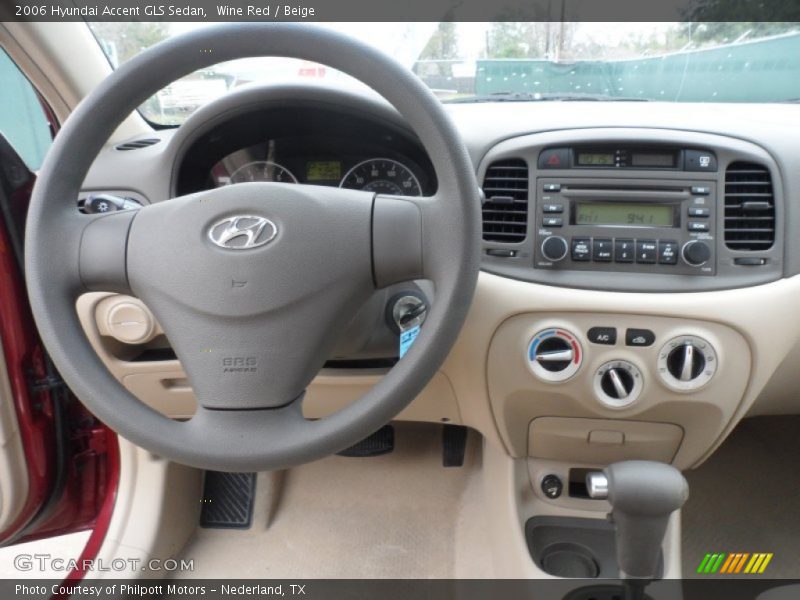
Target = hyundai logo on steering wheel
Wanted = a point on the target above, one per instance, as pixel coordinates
(242, 232)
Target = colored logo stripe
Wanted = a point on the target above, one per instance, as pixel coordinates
(734, 563)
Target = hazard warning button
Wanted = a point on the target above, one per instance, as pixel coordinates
(554, 158)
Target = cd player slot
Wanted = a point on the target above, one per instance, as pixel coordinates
(594, 187)
(596, 193)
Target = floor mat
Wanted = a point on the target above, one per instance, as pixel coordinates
(400, 515)
(746, 498)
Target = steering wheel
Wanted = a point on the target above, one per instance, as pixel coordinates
(252, 282)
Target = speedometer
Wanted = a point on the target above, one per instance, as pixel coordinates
(262, 170)
(382, 176)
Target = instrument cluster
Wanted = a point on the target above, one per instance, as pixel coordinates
(378, 174)
(308, 145)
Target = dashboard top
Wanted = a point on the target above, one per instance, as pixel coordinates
(323, 131)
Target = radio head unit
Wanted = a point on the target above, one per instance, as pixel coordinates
(648, 226)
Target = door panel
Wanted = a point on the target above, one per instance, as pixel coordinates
(57, 462)
(13, 466)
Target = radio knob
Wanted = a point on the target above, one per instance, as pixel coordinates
(696, 253)
(555, 248)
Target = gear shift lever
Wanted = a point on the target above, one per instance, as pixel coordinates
(643, 495)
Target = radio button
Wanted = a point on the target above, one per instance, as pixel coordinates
(646, 251)
(701, 190)
(551, 187)
(581, 249)
(697, 226)
(553, 209)
(552, 222)
(668, 253)
(699, 211)
(601, 250)
(623, 251)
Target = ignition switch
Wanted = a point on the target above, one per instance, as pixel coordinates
(406, 310)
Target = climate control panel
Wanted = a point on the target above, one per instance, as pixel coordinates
(683, 364)
(598, 387)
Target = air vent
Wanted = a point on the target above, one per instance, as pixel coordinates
(505, 211)
(749, 207)
(136, 145)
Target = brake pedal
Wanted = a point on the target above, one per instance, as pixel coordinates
(380, 442)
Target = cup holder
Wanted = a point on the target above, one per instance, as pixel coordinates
(572, 547)
(567, 559)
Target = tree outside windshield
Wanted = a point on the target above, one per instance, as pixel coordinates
(465, 62)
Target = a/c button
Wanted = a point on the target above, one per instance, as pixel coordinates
(602, 335)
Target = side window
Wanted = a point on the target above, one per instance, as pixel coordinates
(22, 119)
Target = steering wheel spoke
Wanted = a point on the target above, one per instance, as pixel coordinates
(102, 261)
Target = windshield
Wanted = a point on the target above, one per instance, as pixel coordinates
(504, 61)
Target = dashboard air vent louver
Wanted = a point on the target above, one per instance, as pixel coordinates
(137, 144)
(505, 210)
(749, 207)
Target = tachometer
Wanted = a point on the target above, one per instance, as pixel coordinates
(382, 176)
(262, 170)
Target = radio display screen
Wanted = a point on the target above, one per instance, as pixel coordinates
(624, 213)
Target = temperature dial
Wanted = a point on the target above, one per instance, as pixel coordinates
(687, 363)
(554, 355)
(618, 384)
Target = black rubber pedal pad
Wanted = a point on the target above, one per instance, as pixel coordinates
(228, 500)
(380, 442)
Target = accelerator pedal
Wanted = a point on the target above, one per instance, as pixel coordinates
(454, 445)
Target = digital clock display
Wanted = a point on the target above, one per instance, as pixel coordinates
(625, 214)
(594, 159)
